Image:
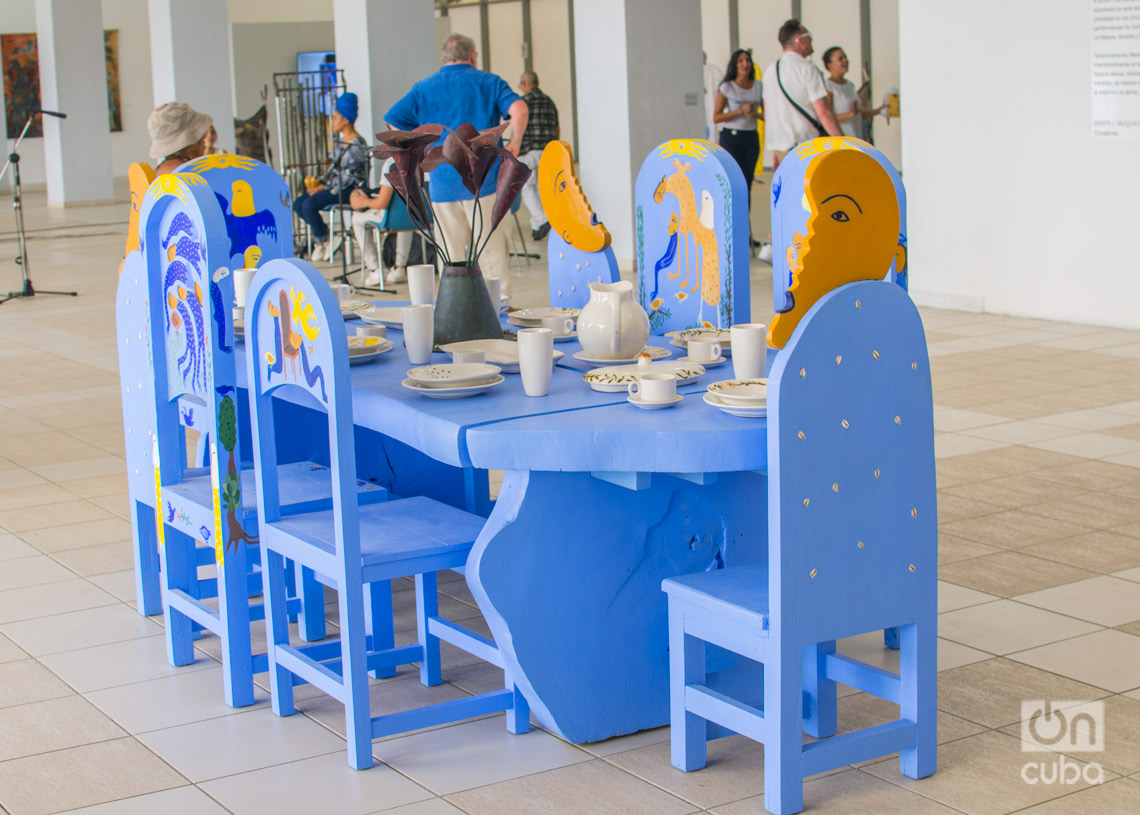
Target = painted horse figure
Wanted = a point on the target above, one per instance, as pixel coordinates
(698, 224)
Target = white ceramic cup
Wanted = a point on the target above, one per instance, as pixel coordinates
(479, 356)
(536, 360)
(242, 278)
(702, 349)
(342, 291)
(654, 387)
(371, 331)
(494, 288)
(421, 284)
(749, 350)
(561, 326)
(419, 332)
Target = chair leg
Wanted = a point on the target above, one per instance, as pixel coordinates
(522, 239)
(820, 713)
(354, 667)
(276, 630)
(688, 732)
(379, 622)
(180, 571)
(783, 714)
(919, 688)
(233, 612)
(148, 585)
(427, 606)
(311, 626)
(518, 716)
(891, 638)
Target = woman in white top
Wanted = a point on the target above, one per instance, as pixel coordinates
(738, 108)
(844, 99)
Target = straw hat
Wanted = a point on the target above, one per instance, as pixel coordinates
(174, 126)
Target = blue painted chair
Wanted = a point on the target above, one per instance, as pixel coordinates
(353, 545)
(852, 548)
(185, 249)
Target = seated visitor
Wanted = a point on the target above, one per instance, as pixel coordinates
(177, 135)
(374, 207)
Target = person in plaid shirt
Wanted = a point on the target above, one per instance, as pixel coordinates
(541, 128)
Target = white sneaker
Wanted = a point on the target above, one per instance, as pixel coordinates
(373, 278)
(320, 252)
(398, 275)
(764, 253)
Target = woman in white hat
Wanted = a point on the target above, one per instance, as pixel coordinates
(177, 135)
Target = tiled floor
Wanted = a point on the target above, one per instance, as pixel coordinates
(1039, 473)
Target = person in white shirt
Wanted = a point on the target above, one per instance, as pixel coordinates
(844, 98)
(737, 110)
(375, 208)
(793, 79)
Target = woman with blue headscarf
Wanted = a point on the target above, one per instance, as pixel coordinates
(348, 170)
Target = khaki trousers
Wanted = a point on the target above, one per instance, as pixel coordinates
(455, 222)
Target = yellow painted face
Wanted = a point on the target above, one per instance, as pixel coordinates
(565, 204)
(852, 233)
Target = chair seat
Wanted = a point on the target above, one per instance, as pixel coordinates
(305, 487)
(392, 531)
(738, 593)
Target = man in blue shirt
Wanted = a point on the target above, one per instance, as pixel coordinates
(460, 93)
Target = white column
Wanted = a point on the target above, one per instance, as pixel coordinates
(384, 47)
(77, 150)
(639, 84)
(191, 61)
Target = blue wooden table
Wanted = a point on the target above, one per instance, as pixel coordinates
(601, 501)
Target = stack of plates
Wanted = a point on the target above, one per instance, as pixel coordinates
(364, 349)
(452, 380)
(532, 317)
(617, 378)
(390, 316)
(740, 397)
(681, 338)
(504, 353)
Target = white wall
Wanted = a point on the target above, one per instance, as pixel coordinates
(885, 74)
(1012, 205)
(263, 49)
(714, 33)
(550, 37)
(280, 11)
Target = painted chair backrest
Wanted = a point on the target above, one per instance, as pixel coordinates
(297, 347)
(852, 499)
(691, 217)
(139, 178)
(572, 271)
(256, 204)
(184, 252)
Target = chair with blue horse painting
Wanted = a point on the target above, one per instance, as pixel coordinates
(189, 360)
(852, 515)
(355, 546)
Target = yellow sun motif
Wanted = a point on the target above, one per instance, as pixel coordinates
(697, 148)
(817, 147)
(303, 314)
(222, 160)
(169, 184)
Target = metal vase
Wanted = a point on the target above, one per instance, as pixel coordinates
(463, 308)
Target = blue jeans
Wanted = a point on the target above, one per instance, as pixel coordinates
(309, 207)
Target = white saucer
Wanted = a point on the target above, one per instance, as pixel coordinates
(573, 335)
(746, 411)
(617, 378)
(359, 359)
(747, 392)
(633, 400)
(390, 316)
(453, 375)
(710, 364)
(654, 352)
(452, 393)
(533, 316)
(504, 353)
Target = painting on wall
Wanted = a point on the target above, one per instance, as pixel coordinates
(20, 57)
(21, 82)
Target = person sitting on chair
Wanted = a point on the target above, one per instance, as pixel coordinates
(347, 171)
(177, 135)
(375, 208)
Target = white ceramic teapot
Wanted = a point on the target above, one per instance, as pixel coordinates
(613, 325)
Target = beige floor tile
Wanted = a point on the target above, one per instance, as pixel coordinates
(1125, 459)
(955, 420)
(1103, 600)
(952, 472)
(35, 495)
(1092, 475)
(1101, 551)
(51, 598)
(24, 681)
(1008, 573)
(31, 786)
(12, 547)
(433, 806)
(1089, 445)
(1012, 492)
(13, 476)
(1021, 459)
(980, 775)
(188, 800)
(118, 663)
(77, 535)
(36, 570)
(1121, 747)
(93, 560)
(96, 465)
(80, 629)
(1004, 626)
(951, 549)
(96, 486)
(55, 724)
(39, 517)
(591, 787)
(9, 651)
(1018, 432)
(948, 445)
(1093, 419)
(952, 508)
(1012, 529)
(1105, 659)
(951, 597)
(990, 693)
(1116, 797)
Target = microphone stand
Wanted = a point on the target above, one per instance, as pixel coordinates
(21, 238)
(343, 276)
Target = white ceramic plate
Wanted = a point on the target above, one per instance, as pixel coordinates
(504, 353)
(712, 363)
(367, 345)
(752, 392)
(747, 411)
(452, 393)
(533, 316)
(453, 374)
(368, 356)
(668, 403)
(390, 316)
(620, 377)
(653, 351)
(352, 308)
(721, 335)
